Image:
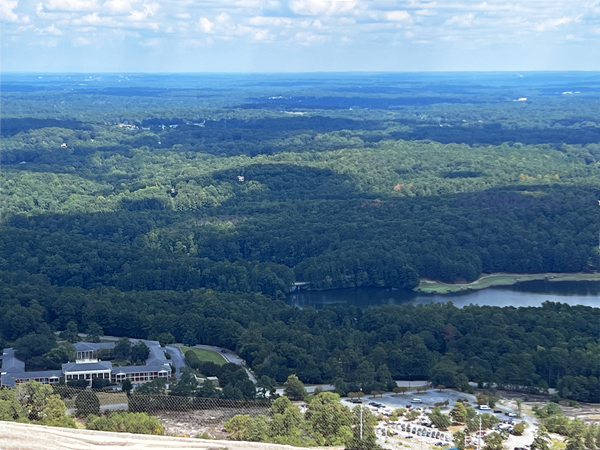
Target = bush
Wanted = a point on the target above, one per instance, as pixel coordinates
(86, 403)
(138, 423)
(78, 383)
(519, 429)
(100, 383)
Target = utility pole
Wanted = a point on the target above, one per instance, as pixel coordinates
(361, 422)
(479, 440)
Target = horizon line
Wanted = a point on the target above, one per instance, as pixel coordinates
(8, 72)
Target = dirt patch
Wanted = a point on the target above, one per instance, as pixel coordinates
(588, 412)
(193, 423)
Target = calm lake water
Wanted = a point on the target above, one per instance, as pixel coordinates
(530, 293)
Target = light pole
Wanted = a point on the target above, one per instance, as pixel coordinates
(479, 440)
(361, 423)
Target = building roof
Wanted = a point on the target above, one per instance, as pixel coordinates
(86, 367)
(10, 363)
(156, 356)
(7, 380)
(38, 374)
(91, 346)
(14, 369)
(144, 368)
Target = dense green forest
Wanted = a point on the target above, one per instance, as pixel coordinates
(190, 204)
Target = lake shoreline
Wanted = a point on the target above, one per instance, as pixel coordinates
(427, 286)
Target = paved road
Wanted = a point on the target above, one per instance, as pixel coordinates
(177, 358)
(112, 407)
(311, 388)
(230, 357)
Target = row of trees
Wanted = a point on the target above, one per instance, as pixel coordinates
(446, 238)
(534, 348)
(577, 433)
(325, 422)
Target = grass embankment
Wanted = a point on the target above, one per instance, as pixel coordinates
(205, 355)
(105, 398)
(501, 279)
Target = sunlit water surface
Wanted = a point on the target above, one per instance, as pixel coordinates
(530, 293)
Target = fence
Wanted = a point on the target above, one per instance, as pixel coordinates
(323, 420)
(188, 416)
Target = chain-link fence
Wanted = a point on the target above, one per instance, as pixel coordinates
(187, 416)
(322, 419)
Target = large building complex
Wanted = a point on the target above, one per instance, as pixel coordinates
(88, 366)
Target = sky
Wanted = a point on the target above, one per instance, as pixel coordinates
(298, 35)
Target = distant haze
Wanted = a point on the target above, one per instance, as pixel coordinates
(298, 35)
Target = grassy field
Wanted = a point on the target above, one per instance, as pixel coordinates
(501, 279)
(205, 355)
(105, 397)
(120, 362)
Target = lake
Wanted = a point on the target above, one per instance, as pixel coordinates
(530, 293)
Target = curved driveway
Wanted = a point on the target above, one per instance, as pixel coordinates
(229, 357)
(177, 358)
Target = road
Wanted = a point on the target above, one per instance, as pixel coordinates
(310, 388)
(177, 358)
(230, 357)
(110, 407)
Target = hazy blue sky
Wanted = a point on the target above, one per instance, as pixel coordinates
(299, 35)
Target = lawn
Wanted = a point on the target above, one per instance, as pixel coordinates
(502, 279)
(205, 355)
(105, 398)
(120, 362)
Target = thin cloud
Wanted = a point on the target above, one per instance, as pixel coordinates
(464, 20)
(398, 16)
(283, 25)
(51, 30)
(118, 6)
(70, 5)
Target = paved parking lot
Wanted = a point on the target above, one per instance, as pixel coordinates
(420, 434)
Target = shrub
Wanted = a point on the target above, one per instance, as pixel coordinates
(138, 423)
(86, 403)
